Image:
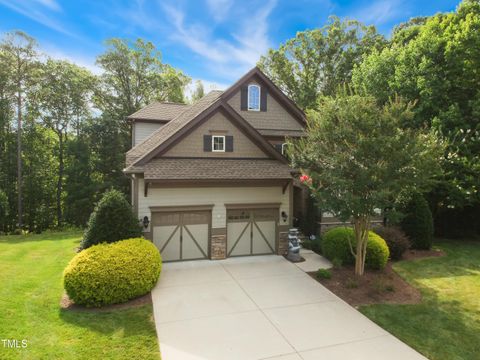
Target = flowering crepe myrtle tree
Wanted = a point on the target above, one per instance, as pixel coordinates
(356, 158)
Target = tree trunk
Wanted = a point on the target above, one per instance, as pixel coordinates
(60, 179)
(19, 158)
(361, 228)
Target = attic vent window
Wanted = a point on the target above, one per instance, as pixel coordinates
(254, 97)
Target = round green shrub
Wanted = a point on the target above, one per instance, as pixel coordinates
(335, 245)
(112, 220)
(323, 274)
(418, 223)
(396, 240)
(112, 273)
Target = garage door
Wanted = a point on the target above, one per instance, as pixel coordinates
(251, 231)
(181, 235)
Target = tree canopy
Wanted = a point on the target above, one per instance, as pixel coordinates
(134, 76)
(317, 61)
(435, 62)
(63, 136)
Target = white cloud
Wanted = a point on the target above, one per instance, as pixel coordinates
(51, 4)
(219, 8)
(35, 10)
(229, 58)
(380, 12)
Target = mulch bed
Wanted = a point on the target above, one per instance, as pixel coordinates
(375, 287)
(67, 304)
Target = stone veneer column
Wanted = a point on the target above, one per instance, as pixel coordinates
(282, 240)
(218, 244)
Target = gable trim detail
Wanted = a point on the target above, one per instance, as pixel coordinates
(273, 90)
(227, 111)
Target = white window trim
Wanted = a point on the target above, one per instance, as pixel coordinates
(259, 97)
(284, 145)
(213, 141)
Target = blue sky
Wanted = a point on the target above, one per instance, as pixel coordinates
(212, 40)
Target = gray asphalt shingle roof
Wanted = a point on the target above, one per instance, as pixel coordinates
(161, 111)
(215, 169)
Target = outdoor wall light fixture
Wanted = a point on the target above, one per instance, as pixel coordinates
(284, 216)
(145, 222)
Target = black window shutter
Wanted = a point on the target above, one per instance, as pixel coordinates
(207, 142)
(263, 99)
(229, 143)
(244, 98)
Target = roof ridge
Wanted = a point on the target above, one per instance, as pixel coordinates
(171, 103)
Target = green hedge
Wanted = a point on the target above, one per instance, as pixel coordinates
(112, 273)
(335, 247)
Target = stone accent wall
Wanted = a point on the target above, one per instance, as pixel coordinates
(282, 243)
(219, 247)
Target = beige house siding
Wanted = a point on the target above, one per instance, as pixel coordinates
(218, 124)
(142, 130)
(276, 117)
(218, 196)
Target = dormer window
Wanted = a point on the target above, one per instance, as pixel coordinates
(218, 143)
(253, 97)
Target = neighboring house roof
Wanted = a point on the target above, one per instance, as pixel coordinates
(159, 111)
(214, 169)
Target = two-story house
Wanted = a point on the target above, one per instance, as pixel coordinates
(209, 180)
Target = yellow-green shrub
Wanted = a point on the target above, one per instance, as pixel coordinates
(112, 273)
(335, 246)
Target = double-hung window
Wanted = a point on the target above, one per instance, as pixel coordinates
(218, 143)
(253, 97)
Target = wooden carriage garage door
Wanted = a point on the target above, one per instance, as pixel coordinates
(182, 235)
(251, 231)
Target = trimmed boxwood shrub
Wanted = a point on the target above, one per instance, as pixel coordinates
(112, 220)
(396, 240)
(335, 245)
(418, 223)
(112, 273)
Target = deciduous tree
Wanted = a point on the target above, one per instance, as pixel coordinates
(317, 61)
(360, 158)
(65, 97)
(19, 56)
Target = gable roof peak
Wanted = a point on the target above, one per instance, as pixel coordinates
(273, 89)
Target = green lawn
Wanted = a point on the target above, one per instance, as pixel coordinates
(31, 287)
(446, 325)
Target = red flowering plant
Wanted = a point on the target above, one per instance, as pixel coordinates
(306, 180)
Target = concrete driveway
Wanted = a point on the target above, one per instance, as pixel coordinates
(261, 307)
